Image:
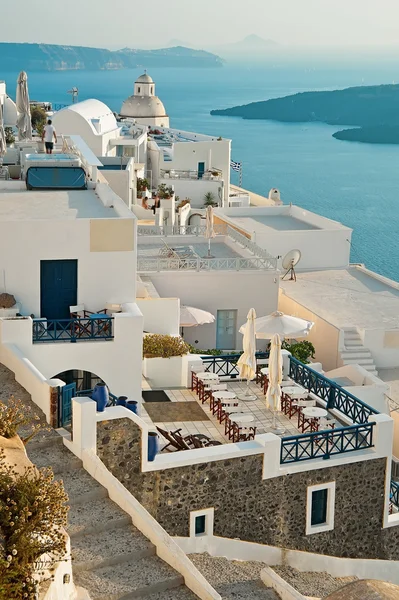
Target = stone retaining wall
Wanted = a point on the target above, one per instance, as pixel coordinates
(269, 511)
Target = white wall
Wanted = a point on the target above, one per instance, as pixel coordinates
(385, 353)
(68, 122)
(195, 189)
(121, 181)
(323, 335)
(326, 247)
(102, 276)
(229, 290)
(161, 315)
(117, 362)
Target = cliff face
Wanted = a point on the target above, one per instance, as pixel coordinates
(51, 57)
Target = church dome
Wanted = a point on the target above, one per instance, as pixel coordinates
(145, 78)
(141, 107)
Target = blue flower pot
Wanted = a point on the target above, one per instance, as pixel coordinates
(132, 405)
(121, 401)
(153, 445)
(101, 396)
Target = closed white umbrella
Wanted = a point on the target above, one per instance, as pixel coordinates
(209, 231)
(24, 124)
(247, 360)
(3, 145)
(192, 317)
(273, 394)
(285, 326)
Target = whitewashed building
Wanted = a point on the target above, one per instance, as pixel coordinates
(144, 106)
(68, 256)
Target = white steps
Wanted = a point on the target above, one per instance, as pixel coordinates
(354, 353)
(111, 558)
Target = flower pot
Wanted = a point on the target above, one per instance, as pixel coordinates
(101, 396)
(153, 445)
(132, 405)
(121, 401)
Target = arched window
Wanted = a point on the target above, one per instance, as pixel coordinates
(138, 90)
(152, 90)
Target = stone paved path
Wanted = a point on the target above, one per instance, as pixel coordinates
(234, 580)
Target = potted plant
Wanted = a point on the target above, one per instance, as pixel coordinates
(142, 185)
(165, 192)
(209, 199)
(163, 357)
(10, 138)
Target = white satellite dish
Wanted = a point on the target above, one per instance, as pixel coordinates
(290, 260)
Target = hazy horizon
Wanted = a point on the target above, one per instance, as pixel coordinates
(330, 24)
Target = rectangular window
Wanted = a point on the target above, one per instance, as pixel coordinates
(319, 507)
(200, 525)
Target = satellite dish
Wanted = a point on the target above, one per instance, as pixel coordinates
(290, 260)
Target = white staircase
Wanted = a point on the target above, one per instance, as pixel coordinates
(111, 558)
(354, 353)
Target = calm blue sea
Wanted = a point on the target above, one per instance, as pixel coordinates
(356, 184)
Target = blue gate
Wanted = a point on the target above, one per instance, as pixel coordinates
(65, 404)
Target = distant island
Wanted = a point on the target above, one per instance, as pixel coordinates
(51, 57)
(373, 110)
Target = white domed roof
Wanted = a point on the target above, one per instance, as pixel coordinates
(144, 78)
(143, 107)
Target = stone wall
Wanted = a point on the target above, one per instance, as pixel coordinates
(269, 511)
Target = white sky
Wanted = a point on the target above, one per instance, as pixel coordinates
(152, 23)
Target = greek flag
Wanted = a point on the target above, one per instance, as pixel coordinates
(236, 166)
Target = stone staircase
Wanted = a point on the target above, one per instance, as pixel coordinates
(354, 353)
(111, 558)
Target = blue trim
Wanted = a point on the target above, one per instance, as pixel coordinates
(323, 444)
(226, 365)
(72, 330)
(394, 494)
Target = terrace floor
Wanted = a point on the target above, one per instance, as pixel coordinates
(209, 425)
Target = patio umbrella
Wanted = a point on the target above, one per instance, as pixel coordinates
(24, 124)
(192, 317)
(3, 145)
(284, 325)
(273, 394)
(209, 231)
(247, 360)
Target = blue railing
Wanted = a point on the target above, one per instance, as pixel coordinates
(226, 366)
(72, 330)
(336, 397)
(88, 393)
(394, 494)
(324, 444)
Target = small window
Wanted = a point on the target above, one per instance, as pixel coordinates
(152, 90)
(138, 90)
(200, 525)
(319, 507)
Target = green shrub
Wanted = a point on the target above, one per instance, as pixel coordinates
(209, 352)
(38, 119)
(164, 346)
(303, 351)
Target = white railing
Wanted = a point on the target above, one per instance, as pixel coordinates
(250, 245)
(191, 174)
(165, 230)
(156, 264)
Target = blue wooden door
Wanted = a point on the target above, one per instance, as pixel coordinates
(58, 288)
(65, 410)
(201, 170)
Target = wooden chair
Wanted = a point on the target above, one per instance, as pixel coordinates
(170, 438)
(305, 424)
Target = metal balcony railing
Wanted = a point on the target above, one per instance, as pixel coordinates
(394, 494)
(72, 330)
(323, 444)
(336, 397)
(226, 365)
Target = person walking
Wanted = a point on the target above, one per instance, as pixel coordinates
(48, 136)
